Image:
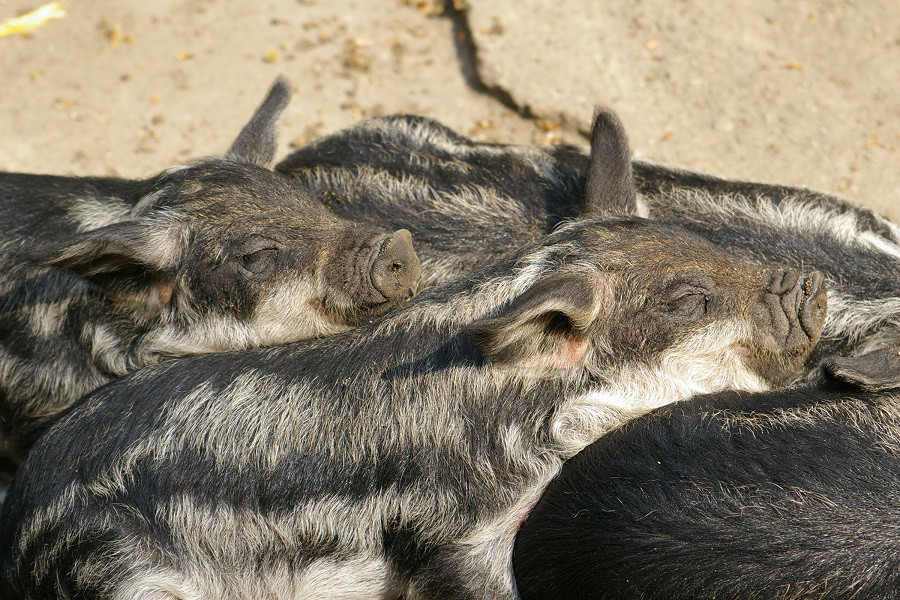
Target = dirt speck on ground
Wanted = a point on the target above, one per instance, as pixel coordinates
(804, 93)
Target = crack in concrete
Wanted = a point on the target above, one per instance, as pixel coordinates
(467, 54)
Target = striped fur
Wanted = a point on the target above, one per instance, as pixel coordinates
(101, 277)
(467, 203)
(397, 459)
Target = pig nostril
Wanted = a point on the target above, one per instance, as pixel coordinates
(808, 287)
(813, 284)
(821, 306)
(396, 267)
(813, 304)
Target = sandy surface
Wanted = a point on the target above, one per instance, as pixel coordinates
(799, 93)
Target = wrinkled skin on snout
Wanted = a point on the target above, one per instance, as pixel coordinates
(665, 288)
(271, 268)
(667, 315)
(767, 318)
(412, 172)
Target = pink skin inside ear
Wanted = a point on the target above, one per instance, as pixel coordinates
(571, 348)
(166, 288)
(742, 350)
(570, 352)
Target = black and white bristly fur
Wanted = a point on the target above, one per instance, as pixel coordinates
(780, 495)
(103, 276)
(396, 459)
(466, 203)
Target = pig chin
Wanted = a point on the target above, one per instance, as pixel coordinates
(787, 321)
(780, 362)
(340, 310)
(708, 361)
(358, 304)
(778, 369)
(695, 366)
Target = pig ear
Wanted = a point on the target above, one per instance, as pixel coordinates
(874, 371)
(610, 183)
(131, 261)
(546, 326)
(257, 141)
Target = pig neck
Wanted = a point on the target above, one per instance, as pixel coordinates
(490, 437)
(61, 340)
(422, 360)
(520, 420)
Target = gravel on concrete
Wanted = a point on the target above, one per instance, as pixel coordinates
(805, 93)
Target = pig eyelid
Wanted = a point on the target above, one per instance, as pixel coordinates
(691, 278)
(685, 299)
(685, 291)
(680, 288)
(259, 262)
(251, 245)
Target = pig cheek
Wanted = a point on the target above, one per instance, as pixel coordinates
(642, 336)
(292, 310)
(224, 290)
(777, 368)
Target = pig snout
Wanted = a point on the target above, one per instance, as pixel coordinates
(396, 267)
(813, 305)
(791, 312)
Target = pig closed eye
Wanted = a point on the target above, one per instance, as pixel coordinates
(688, 303)
(259, 262)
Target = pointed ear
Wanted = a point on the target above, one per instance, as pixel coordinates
(610, 183)
(131, 261)
(873, 371)
(546, 326)
(257, 141)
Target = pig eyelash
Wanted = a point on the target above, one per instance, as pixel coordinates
(688, 301)
(259, 262)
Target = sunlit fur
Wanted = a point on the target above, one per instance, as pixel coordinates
(707, 361)
(780, 495)
(392, 460)
(857, 249)
(467, 202)
(102, 276)
(464, 203)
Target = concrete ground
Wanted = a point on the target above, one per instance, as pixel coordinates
(806, 92)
